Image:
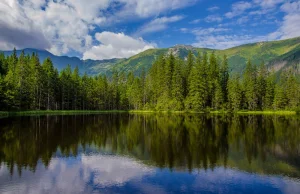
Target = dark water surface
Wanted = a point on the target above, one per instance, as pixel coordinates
(122, 153)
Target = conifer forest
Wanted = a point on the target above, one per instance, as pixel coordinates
(198, 83)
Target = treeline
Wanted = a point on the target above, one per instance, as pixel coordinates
(199, 83)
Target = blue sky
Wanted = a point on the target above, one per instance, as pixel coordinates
(103, 29)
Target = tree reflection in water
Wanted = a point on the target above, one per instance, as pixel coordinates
(261, 144)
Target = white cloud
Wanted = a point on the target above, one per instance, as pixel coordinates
(116, 45)
(158, 24)
(238, 9)
(242, 20)
(17, 30)
(212, 9)
(225, 41)
(266, 4)
(219, 38)
(195, 21)
(289, 27)
(207, 31)
(63, 26)
(213, 18)
(76, 176)
(146, 8)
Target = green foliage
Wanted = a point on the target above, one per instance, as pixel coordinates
(201, 83)
(273, 53)
(162, 140)
(235, 95)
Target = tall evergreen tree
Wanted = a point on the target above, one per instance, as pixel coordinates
(250, 86)
(198, 94)
(49, 79)
(235, 93)
(177, 87)
(224, 78)
(269, 93)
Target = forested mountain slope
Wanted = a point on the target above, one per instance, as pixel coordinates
(277, 55)
(274, 54)
(91, 67)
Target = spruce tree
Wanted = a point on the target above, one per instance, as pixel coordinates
(250, 86)
(292, 90)
(198, 93)
(177, 87)
(12, 97)
(2, 97)
(261, 86)
(269, 93)
(235, 93)
(224, 78)
(49, 79)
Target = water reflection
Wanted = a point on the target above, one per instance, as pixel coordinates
(117, 153)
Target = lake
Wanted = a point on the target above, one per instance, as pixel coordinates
(150, 153)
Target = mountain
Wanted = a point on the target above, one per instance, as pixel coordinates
(278, 55)
(91, 67)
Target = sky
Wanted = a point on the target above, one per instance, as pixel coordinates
(104, 29)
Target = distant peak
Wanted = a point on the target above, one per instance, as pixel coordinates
(183, 46)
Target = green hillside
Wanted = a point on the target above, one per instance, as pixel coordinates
(276, 54)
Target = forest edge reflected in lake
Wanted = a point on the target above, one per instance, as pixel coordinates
(263, 145)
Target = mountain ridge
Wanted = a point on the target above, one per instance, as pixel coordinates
(278, 55)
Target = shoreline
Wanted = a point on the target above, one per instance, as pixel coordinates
(76, 112)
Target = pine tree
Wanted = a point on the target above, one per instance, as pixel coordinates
(3, 64)
(250, 86)
(49, 79)
(213, 77)
(124, 104)
(168, 75)
(235, 93)
(115, 91)
(280, 100)
(66, 88)
(197, 96)
(36, 78)
(177, 87)
(218, 98)
(76, 82)
(2, 97)
(269, 93)
(12, 97)
(292, 90)
(224, 78)
(261, 85)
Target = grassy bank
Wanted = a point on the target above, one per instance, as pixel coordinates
(221, 112)
(268, 112)
(74, 112)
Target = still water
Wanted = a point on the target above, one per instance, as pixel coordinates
(135, 153)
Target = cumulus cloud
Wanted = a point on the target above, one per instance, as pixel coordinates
(212, 9)
(195, 21)
(207, 31)
(146, 8)
(213, 18)
(238, 9)
(268, 3)
(289, 27)
(225, 41)
(220, 38)
(76, 176)
(64, 26)
(17, 30)
(116, 45)
(158, 24)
